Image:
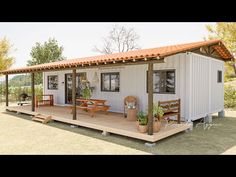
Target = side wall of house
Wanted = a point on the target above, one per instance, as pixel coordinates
(206, 95)
(132, 82)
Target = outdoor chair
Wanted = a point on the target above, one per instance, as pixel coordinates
(170, 108)
(130, 102)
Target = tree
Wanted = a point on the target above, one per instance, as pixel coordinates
(227, 33)
(5, 60)
(48, 52)
(120, 39)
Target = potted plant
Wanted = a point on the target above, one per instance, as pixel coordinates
(86, 90)
(86, 93)
(157, 114)
(143, 120)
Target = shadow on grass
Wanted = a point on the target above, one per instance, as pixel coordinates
(213, 140)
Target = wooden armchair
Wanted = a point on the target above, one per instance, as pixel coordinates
(129, 99)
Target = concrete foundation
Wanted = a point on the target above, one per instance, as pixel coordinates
(150, 144)
(104, 133)
(221, 114)
(208, 118)
(74, 126)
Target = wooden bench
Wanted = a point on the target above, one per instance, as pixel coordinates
(43, 101)
(171, 108)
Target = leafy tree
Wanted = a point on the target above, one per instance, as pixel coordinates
(120, 39)
(48, 52)
(227, 33)
(5, 60)
(20, 80)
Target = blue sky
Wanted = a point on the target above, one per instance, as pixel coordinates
(78, 39)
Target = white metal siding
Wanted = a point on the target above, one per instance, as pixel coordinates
(206, 96)
(196, 85)
(200, 84)
(132, 82)
(217, 89)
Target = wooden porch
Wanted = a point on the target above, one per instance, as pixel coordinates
(112, 123)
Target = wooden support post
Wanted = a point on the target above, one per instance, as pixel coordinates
(33, 93)
(74, 94)
(179, 115)
(150, 98)
(7, 101)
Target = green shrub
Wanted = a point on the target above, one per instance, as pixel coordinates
(14, 92)
(229, 97)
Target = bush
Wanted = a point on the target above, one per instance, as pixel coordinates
(230, 97)
(14, 92)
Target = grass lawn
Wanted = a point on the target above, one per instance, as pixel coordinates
(19, 135)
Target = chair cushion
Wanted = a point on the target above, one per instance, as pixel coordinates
(130, 105)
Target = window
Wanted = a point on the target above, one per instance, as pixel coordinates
(110, 82)
(219, 76)
(163, 81)
(52, 82)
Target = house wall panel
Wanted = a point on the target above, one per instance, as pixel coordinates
(132, 82)
(206, 96)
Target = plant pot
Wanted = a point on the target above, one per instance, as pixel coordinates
(156, 126)
(143, 128)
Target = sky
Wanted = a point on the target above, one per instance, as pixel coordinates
(78, 39)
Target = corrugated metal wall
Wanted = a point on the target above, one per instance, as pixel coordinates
(217, 89)
(205, 94)
(132, 82)
(196, 84)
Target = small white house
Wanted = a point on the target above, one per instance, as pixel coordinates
(194, 76)
(192, 72)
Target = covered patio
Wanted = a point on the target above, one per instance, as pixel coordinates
(112, 123)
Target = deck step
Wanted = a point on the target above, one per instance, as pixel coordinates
(42, 118)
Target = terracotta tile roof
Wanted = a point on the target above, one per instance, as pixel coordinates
(160, 52)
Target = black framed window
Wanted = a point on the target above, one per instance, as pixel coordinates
(110, 82)
(163, 81)
(219, 76)
(53, 82)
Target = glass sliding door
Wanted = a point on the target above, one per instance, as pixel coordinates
(68, 86)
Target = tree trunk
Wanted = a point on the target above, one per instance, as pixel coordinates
(234, 66)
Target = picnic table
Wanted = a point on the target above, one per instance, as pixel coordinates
(92, 105)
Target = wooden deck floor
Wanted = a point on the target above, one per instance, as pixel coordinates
(113, 122)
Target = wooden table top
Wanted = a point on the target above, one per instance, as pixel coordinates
(91, 100)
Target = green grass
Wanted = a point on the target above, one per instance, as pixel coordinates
(220, 137)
